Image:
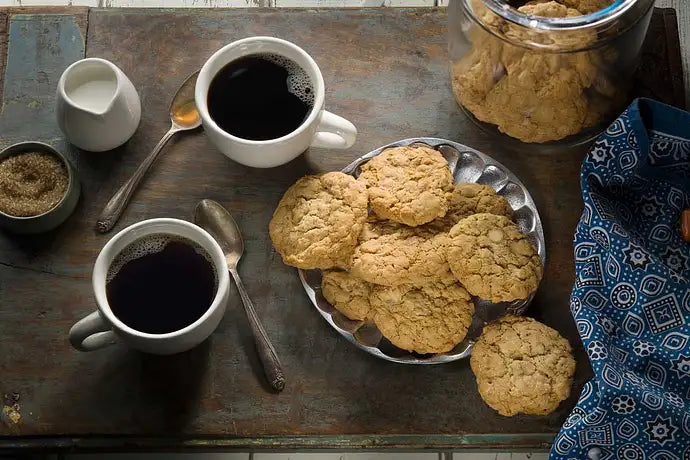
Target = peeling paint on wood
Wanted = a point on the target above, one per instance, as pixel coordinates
(41, 46)
(11, 414)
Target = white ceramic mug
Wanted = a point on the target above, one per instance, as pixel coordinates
(102, 328)
(320, 129)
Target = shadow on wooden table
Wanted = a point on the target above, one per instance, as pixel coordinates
(160, 393)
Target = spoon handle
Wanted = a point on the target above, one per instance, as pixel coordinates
(113, 210)
(269, 358)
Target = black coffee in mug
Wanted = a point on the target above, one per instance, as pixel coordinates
(161, 283)
(260, 97)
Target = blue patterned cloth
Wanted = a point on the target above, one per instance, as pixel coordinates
(631, 299)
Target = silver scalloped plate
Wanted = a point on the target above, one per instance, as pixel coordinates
(467, 165)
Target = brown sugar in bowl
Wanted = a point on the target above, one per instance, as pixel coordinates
(54, 216)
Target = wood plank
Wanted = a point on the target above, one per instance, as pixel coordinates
(214, 396)
(222, 3)
(3, 47)
(352, 3)
(217, 390)
(143, 3)
(682, 8)
(187, 3)
(280, 443)
(38, 49)
(58, 3)
(80, 13)
(660, 75)
(41, 44)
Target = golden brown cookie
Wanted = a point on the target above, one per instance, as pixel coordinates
(410, 185)
(522, 366)
(391, 254)
(492, 259)
(347, 293)
(433, 318)
(318, 221)
(470, 198)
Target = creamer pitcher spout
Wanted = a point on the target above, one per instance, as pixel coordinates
(98, 108)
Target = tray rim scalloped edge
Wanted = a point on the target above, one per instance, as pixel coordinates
(434, 142)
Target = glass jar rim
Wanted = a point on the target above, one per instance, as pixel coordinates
(598, 18)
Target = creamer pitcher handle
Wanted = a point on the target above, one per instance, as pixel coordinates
(334, 132)
(91, 333)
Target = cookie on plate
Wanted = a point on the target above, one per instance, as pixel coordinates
(347, 293)
(391, 254)
(318, 221)
(433, 318)
(493, 260)
(410, 185)
(471, 198)
(522, 366)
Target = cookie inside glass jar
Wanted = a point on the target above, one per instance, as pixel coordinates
(545, 70)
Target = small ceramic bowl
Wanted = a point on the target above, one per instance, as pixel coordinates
(60, 212)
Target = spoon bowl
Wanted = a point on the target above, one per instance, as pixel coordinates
(218, 222)
(183, 111)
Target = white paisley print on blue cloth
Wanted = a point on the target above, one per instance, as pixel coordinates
(631, 299)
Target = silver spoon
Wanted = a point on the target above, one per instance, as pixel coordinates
(216, 220)
(183, 117)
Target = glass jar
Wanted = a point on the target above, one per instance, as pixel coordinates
(554, 72)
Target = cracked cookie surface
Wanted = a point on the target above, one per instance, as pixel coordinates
(391, 254)
(318, 221)
(470, 198)
(493, 260)
(522, 366)
(410, 185)
(347, 293)
(433, 318)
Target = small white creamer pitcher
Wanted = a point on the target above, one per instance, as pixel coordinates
(98, 108)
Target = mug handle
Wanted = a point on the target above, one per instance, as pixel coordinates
(334, 132)
(91, 333)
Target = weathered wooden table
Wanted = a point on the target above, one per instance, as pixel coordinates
(386, 71)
